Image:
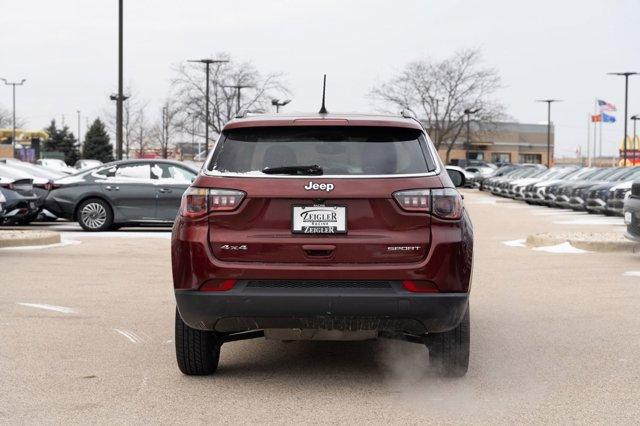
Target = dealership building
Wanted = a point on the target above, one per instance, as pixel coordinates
(502, 142)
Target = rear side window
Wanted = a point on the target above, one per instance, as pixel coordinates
(336, 150)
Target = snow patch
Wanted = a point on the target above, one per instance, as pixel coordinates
(515, 243)
(562, 248)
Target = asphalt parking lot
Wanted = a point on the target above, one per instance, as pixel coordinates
(86, 336)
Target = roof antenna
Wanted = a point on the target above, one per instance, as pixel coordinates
(323, 110)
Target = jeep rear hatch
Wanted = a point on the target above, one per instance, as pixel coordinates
(320, 195)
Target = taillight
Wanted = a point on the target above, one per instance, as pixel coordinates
(420, 286)
(415, 200)
(218, 285)
(46, 186)
(445, 203)
(197, 202)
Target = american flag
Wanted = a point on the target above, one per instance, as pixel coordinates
(606, 106)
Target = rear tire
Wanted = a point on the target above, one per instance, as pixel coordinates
(197, 351)
(95, 215)
(449, 351)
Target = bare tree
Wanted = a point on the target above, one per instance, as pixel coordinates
(6, 119)
(189, 89)
(164, 131)
(439, 92)
(140, 132)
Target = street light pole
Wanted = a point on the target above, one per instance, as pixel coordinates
(13, 84)
(238, 88)
(120, 97)
(468, 113)
(207, 63)
(549, 102)
(626, 103)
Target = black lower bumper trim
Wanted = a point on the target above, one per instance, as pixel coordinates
(392, 310)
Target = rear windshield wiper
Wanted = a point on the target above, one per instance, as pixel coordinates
(293, 170)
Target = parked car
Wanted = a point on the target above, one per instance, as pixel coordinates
(121, 193)
(516, 188)
(469, 177)
(20, 206)
(56, 164)
(617, 196)
(632, 212)
(534, 192)
(580, 192)
(85, 163)
(327, 227)
(42, 181)
(598, 195)
(501, 185)
(481, 172)
(552, 191)
(3, 200)
(566, 190)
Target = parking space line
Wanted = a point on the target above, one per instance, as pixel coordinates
(131, 336)
(61, 309)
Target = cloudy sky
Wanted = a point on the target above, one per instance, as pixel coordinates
(66, 50)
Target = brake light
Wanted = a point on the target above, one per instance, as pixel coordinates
(197, 202)
(420, 286)
(218, 285)
(445, 203)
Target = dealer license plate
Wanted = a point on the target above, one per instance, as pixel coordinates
(319, 220)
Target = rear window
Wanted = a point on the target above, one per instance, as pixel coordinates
(336, 150)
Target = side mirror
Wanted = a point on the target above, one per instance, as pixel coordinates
(457, 177)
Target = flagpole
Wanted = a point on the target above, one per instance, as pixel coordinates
(600, 144)
(595, 128)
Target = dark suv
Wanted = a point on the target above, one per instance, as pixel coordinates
(322, 227)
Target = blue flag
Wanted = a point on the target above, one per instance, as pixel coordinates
(606, 118)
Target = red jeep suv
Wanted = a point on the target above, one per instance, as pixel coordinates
(322, 227)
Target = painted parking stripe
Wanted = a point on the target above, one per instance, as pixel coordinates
(131, 336)
(61, 309)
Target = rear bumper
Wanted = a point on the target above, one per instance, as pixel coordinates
(393, 309)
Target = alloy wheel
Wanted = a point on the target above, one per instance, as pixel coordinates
(94, 215)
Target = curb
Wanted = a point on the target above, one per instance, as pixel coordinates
(22, 238)
(612, 242)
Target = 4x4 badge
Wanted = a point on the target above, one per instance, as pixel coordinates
(319, 186)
